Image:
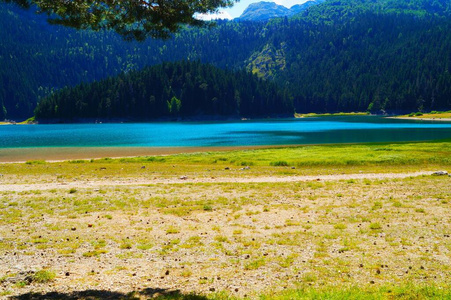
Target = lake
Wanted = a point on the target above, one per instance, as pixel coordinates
(356, 129)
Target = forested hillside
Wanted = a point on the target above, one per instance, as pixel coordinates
(36, 58)
(338, 55)
(376, 61)
(172, 90)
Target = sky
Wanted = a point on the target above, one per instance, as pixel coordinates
(239, 7)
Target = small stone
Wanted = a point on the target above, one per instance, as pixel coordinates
(212, 289)
(183, 178)
(236, 290)
(440, 173)
(67, 273)
(167, 272)
(73, 228)
(89, 225)
(372, 281)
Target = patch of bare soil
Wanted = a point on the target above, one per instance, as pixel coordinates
(245, 236)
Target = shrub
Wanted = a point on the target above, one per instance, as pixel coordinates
(340, 226)
(35, 162)
(375, 226)
(280, 163)
(44, 276)
(208, 207)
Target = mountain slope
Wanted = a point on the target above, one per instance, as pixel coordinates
(36, 58)
(298, 8)
(182, 89)
(338, 55)
(264, 11)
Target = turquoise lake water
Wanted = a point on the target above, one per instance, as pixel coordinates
(227, 133)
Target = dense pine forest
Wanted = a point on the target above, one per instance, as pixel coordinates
(336, 56)
(37, 58)
(171, 90)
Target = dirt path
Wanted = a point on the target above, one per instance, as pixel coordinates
(263, 179)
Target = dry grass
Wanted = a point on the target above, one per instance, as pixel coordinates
(245, 238)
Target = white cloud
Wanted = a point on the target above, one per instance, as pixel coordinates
(218, 15)
(289, 3)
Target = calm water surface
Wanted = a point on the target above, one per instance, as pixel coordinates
(230, 133)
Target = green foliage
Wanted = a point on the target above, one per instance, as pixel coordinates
(354, 55)
(375, 226)
(379, 155)
(279, 163)
(255, 264)
(194, 89)
(131, 19)
(35, 162)
(44, 276)
(3, 111)
(364, 292)
(174, 106)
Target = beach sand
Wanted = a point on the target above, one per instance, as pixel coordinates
(73, 153)
(422, 119)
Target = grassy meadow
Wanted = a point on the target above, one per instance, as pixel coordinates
(341, 114)
(231, 225)
(433, 115)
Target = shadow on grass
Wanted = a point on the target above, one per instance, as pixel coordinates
(110, 295)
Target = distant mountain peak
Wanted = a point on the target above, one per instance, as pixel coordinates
(264, 11)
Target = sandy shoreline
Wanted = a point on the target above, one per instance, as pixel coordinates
(421, 119)
(9, 155)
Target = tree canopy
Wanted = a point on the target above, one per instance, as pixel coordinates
(169, 90)
(133, 19)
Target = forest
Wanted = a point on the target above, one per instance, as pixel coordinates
(336, 56)
(171, 91)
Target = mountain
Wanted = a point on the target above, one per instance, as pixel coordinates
(37, 58)
(298, 8)
(336, 56)
(264, 11)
